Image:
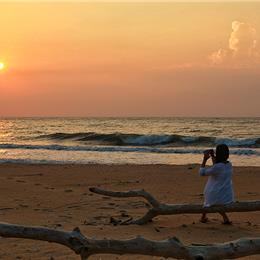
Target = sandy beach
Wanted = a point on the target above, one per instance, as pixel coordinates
(57, 196)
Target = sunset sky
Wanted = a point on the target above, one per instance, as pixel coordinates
(122, 59)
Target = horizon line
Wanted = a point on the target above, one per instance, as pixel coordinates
(129, 1)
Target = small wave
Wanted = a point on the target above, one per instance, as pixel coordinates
(123, 139)
(239, 142)
(32, 161)
(124, 149)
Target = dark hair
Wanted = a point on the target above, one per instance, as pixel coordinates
(222, 153)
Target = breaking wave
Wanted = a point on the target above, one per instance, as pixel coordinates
(122, 139)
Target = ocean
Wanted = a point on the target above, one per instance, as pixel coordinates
(127, 140)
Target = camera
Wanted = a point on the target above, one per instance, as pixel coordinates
(209, 151)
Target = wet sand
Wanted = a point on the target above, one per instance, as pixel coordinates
(57, 196)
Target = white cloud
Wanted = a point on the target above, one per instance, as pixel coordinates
(242, 49)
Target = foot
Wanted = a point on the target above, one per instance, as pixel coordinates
(227, 222)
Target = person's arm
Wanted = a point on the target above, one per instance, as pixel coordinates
(207, 171)
(203, 164)
(213, 157)
(213, 170)
(205, 159)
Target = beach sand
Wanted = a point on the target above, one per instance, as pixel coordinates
(57, 196)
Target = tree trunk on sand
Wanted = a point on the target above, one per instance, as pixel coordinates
(158, 208)
(172, 247)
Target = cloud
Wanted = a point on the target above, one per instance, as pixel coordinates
(242, 48)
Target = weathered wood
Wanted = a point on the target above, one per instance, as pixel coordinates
(172, 247)
(128, 194)
(158, 208)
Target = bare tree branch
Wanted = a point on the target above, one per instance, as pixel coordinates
(128, 194)
(171, 247)
(174, 209)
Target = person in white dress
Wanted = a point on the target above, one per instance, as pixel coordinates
(219, 187)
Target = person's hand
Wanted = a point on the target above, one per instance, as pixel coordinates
(212, 153)
(206, 156)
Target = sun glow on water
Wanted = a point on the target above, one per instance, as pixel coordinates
(2, 65)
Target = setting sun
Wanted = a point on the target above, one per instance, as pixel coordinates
(2, 65)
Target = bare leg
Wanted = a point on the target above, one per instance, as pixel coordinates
(204, 218)
(226, 220)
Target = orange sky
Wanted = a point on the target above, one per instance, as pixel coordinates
(119, 59)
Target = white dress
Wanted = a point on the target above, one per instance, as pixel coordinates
(219, 187)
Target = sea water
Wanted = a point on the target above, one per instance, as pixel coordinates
(127, 140)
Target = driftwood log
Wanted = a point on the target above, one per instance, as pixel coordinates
(171, 247)
(157, 208)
